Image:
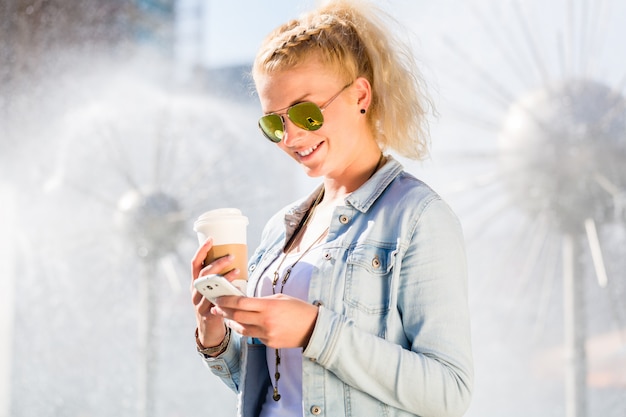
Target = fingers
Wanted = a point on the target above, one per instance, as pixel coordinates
(248, 330)
(217, 265)
(213, 268)
(242, 312)
(233, 302)
(204, 306)
(233, 274)
(279, 321)
(201, 304)
(199, 269)
(197, 262)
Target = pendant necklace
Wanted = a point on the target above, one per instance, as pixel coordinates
(276, 395)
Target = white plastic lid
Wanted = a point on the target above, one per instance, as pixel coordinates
(224, 225)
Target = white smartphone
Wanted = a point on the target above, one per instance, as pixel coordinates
(214, 286)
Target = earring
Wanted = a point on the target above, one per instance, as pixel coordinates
(363, 111)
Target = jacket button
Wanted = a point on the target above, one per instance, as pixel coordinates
(316, 410)
(218, 368)
(343, 219)
(317, 303)
(376, 262)
(327, 256)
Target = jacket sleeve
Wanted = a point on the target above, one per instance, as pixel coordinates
(227, 365)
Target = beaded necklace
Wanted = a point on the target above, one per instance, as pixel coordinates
(276, 395)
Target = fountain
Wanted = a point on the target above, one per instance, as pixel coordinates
(563, 151)
(541, 192)
(106, 217)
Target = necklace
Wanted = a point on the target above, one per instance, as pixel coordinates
(276, 395)
(288, 271)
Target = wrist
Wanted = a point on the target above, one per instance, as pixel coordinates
(210, 334)
(213, 350)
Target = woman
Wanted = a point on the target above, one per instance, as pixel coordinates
(357, 293)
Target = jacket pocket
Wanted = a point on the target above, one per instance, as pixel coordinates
(368, 278)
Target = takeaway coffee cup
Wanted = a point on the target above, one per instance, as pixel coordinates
(227, 227)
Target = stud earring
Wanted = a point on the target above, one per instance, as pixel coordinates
(363, 111)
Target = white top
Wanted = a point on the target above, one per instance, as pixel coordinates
(290, 368)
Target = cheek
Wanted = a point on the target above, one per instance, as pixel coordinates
(336, 132)
(284, 148)
(338, 123)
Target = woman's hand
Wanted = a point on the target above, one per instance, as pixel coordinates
(279, 321)
(211, 329)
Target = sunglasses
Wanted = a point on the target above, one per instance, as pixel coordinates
(305, 115)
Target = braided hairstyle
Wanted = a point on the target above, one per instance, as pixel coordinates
(350, 37)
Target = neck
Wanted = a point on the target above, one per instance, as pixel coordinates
(337, 189)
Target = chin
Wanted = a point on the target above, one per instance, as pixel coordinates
(311, 172)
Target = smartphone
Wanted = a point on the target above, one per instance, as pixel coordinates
(214, 286)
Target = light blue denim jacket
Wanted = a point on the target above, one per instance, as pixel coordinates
(392, 337)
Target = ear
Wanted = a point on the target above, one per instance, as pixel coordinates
(364, 92)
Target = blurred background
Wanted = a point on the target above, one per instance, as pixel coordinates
(122, 121)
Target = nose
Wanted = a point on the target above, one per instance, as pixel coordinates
(292, 132)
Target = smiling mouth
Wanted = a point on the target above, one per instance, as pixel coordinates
(308, 152)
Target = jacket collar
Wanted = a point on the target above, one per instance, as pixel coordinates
(363, 197)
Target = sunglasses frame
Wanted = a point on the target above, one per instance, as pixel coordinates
(300, 125)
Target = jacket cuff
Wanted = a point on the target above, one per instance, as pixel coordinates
(226, 365)
(326, 332)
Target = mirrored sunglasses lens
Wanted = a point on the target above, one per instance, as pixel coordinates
(272, 127)
(306, 116)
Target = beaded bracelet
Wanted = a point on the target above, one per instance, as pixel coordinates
(215, 350)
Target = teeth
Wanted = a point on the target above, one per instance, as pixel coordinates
(308, 151)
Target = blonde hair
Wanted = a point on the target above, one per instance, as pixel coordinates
(350, 37)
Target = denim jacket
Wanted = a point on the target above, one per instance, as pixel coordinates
(392, 336)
